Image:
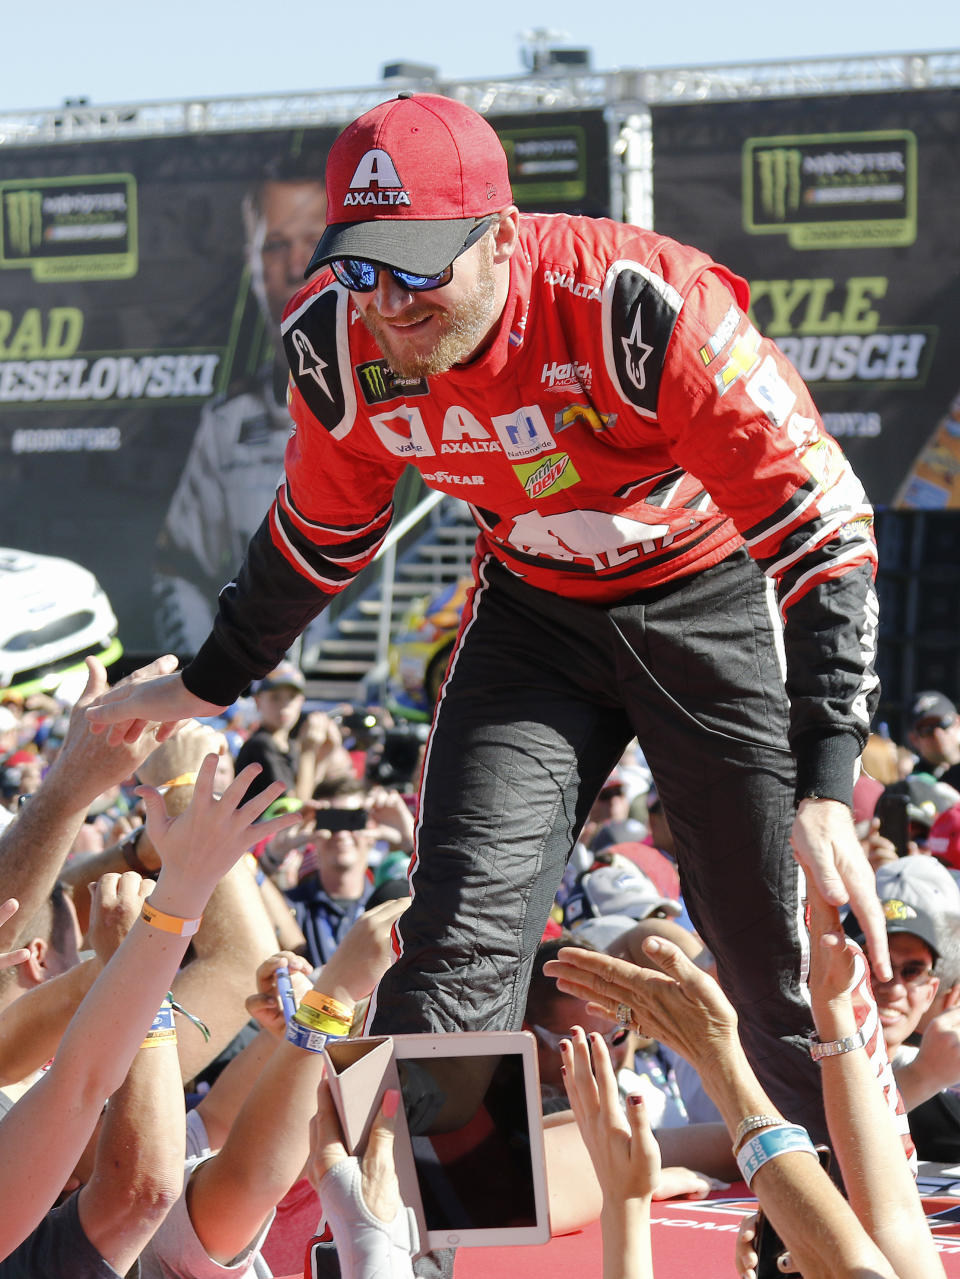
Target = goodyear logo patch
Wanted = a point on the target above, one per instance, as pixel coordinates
(547, 475)
(379, 383)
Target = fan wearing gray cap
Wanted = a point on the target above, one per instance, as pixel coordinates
(934, 733)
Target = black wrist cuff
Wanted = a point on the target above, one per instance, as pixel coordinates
(826, 767)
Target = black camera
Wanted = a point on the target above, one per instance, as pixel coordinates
(333, 819)
(393, 762)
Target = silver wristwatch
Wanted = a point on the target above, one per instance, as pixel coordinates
(837, 1046)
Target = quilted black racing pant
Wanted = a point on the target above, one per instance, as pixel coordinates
(542, 696)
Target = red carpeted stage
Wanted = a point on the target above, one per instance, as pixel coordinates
(689, 1239)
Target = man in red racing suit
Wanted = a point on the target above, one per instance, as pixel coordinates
(669, 546)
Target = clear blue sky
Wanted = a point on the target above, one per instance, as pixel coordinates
(115, 51)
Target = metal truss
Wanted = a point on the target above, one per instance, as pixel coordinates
(623, 91)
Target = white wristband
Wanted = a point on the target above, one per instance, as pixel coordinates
(768, 1145)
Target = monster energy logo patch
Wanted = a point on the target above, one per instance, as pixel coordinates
(23, 222)
(832, 190)
(379, 383)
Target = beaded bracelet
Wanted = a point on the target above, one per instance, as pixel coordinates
(750, 1123)
(768, 1145)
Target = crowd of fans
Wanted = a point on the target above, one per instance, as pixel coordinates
(276, 843)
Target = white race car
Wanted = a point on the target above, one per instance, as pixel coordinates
(53, 614)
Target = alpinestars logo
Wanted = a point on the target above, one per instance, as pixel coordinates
(376, 181)
(637, 352)
(311, 365)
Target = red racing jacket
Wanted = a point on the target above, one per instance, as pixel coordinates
(626, 426)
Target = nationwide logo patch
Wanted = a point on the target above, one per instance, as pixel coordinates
(547, 475)
(379, 383)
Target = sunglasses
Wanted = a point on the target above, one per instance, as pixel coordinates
(913, 973)
(930, 727)
(360, 276)
(612, 1038)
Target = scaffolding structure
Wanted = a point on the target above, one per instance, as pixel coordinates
(626, 93)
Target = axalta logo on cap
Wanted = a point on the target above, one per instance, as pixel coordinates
(376, 170)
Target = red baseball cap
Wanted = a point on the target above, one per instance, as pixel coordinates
(944, 838)
(407, 182)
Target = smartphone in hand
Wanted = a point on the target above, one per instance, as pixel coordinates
(894, 821)
(768, 1245)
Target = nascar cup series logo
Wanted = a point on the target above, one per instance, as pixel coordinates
(376, 181)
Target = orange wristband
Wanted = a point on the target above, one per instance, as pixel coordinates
(185, 779)
(169, 923)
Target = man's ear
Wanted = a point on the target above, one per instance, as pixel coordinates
(508, 234)
(33, 971)
(933, 987)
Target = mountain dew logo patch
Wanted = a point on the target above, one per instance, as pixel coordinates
(547, 475)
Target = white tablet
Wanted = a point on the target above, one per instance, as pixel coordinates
(470, 1157)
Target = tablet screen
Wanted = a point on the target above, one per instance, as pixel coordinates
(470, 1131)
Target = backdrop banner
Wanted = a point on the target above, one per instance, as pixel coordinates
(142, 418)
(841, 213)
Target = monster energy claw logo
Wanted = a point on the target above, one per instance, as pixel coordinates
(24, 221)
(374, 384)
(778, 169)
(379, 383)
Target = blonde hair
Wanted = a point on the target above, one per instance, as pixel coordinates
(879, 759)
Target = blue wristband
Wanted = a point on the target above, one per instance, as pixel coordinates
(313, 1041)
(164, 1018)
(768, 1145)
